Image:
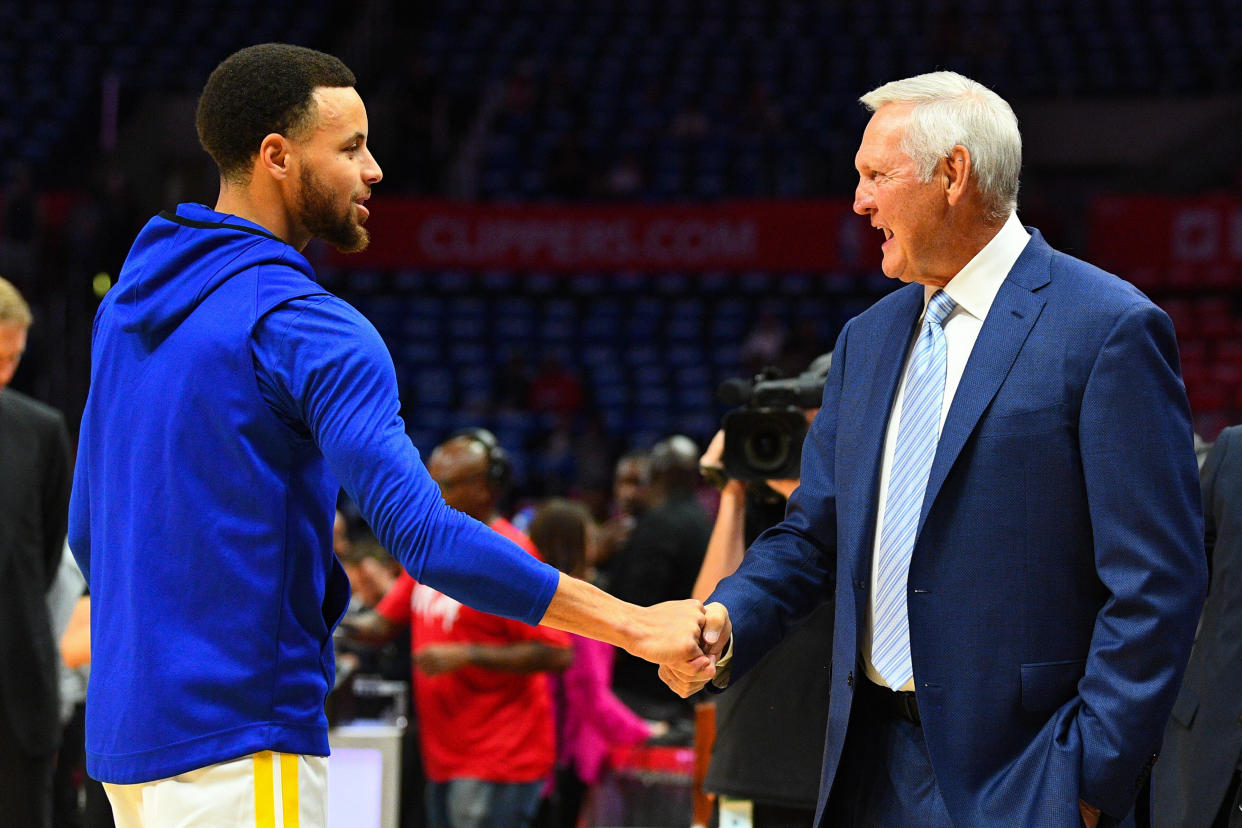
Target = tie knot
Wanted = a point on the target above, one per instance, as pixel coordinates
(939, 308)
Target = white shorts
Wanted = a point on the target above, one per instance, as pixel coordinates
(264, 790)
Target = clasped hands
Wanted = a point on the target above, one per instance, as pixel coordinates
(686, 639)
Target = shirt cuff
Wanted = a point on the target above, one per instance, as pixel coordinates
(724, 667)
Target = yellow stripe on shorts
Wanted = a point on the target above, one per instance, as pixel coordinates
(289, 789)
(264, 797)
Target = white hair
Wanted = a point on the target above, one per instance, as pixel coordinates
(948, 110)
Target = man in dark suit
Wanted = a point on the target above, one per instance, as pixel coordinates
(659, 562)
(34, 506)
(1195, 783)
(1001, 490)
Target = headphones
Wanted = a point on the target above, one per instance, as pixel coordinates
(499, 464)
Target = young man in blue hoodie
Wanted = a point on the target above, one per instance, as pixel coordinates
(230, 396)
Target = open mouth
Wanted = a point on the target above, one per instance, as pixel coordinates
(888, 235)
(358, 203)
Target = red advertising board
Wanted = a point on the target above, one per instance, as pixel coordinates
(767, 235)
(1140, 231)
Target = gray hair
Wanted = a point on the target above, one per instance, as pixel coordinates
(950, 109)
(13, 308)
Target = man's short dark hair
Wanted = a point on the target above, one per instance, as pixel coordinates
(257, 91)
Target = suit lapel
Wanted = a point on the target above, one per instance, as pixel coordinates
(1009, 322)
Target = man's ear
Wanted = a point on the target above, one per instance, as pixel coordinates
(955, 172)
(274, 156)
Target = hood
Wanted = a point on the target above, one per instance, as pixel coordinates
(180, 258)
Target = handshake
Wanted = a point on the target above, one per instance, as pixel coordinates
(685, 638)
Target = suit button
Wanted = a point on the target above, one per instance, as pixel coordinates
(849, 680)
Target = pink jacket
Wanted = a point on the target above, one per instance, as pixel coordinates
(592, 719)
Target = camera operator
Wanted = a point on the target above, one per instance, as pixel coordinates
(770, 725)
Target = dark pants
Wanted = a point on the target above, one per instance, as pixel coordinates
(98, 811)
(561, 809)
(570, 794)
(885, 778)
(25, 783)
(475, 803)
(774, 816)
(70, 777)
(70, 771)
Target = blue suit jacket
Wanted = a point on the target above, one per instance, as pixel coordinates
(1058, 570)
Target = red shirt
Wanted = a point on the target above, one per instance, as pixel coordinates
(474, 722)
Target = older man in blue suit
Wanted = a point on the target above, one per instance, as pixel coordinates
(1000, 489)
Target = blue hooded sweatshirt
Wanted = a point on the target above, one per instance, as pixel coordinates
(230, 396)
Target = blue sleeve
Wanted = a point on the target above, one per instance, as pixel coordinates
(322, 365)
(1146, 520)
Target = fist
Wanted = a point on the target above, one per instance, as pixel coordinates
(689, 677)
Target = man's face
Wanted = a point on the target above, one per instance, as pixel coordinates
(911, 213)
(12, 346)
(459, 467)
(631, 487)
(336, 171)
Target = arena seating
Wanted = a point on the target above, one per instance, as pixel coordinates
(650, 348)
(56, 55)
(740, 97)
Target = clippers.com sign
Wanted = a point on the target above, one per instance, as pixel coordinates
(1161, 231)
(818, 235)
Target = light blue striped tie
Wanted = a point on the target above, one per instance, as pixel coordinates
(917, 435)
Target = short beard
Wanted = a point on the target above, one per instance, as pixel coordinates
(317, 212)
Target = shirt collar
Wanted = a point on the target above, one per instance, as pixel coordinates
(975, 286)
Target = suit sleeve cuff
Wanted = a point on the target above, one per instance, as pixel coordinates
(724, 667)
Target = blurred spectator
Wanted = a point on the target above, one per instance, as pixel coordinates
(513, 381)
(62, 600)
(765, 343)
(484, 711)
(34, 507)
(590, 718)
(371, 572)
(370, 569)
(594, 448)
(770, 726)
(73, 627)
(625, 178)
(803, 346)
(555, 389)
(1196, 782)
(660, 562)
(75, 640)
(631, 496)
(554, 461)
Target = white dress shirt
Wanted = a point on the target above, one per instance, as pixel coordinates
(973, 289)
